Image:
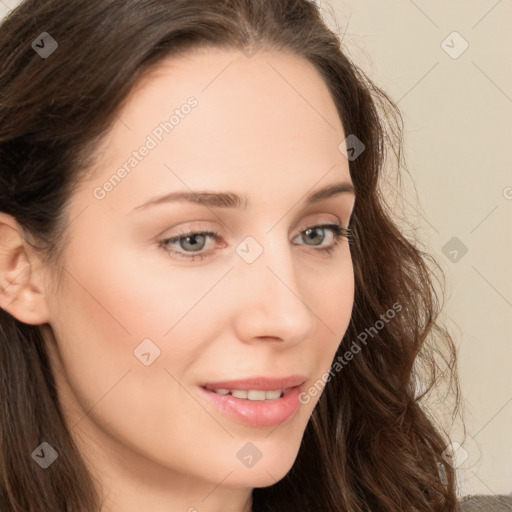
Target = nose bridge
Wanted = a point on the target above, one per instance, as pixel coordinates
(273, 303)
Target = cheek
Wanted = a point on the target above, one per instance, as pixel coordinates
(110, 316)
(104, 315)
(331, 297)
(331, 301)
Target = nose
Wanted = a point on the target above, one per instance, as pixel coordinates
(271, 298)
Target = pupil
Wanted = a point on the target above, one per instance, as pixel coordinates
(310, 231)
(193, 243)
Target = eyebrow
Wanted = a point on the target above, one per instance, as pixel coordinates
(232, 200)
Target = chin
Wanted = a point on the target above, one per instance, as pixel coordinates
(273, 466)
(263, 477)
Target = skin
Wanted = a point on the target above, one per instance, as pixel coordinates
(145, 431)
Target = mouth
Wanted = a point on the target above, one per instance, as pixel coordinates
(258, 402)
(252, 394)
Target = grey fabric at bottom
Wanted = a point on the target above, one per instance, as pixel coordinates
(483, 503)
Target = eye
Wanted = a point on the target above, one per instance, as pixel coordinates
(337, 232)
(193, 242)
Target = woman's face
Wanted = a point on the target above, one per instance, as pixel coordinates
(140, 326)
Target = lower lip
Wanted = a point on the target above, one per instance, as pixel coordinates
(258, 413)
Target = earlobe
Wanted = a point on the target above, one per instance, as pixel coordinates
(21, 277)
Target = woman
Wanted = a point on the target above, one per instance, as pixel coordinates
(206, 303)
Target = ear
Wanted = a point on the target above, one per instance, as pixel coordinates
(21, 275)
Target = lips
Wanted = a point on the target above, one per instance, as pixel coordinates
(257, 383)
(256, 401)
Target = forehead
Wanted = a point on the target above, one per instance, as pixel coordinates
(270, 116)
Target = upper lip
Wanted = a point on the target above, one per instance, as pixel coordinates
(258, 383)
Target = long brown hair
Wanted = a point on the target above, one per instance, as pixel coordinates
(370, 445)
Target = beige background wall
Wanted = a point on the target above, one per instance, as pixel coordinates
(457, 107)
(458, 134)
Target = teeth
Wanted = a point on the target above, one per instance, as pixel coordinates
(256, 394)
(240, 393)
(251, 394)
(271, 395)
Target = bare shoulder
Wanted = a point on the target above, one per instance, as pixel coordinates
(483, 503)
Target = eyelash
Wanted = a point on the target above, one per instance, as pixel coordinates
(337, 231)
